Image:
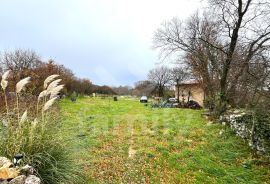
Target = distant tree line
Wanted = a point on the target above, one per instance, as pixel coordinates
(23, 63)
(123, 90)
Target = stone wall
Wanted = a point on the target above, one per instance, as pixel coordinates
(244, 124)
(9, 174)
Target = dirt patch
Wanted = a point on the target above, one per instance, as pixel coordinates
(131, 150)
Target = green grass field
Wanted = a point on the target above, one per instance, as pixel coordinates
(127, 142)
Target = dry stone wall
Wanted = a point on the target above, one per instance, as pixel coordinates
(16, 175)
(246, 125)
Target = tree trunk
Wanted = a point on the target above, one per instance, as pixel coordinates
(160, 91)
(223, 90)
(178, 92)
(227, 64)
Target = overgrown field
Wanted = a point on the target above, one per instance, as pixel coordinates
(127, 142)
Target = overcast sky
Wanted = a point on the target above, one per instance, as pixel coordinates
(107, 41)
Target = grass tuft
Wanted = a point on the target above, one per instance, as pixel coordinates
(37, 136)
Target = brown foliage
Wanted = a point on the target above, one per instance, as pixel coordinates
(23, 63)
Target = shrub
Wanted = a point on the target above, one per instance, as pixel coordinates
(73, 97)
(37, 136)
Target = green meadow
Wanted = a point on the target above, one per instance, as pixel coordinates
(125, 141)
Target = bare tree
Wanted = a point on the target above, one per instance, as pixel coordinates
(22, 63)
(178, 75)
(183, 40)
(246, 26)
(19, 60)
(144, 87)
(222, 44)
(160, 76)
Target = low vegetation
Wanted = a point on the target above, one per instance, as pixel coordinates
(36, 134)
(128, 142)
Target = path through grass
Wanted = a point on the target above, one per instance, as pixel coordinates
(127, 142)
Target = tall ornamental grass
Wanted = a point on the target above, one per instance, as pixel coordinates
(36, 135)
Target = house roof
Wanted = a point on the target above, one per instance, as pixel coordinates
(189, 82)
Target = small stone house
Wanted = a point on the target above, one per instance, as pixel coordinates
(190, 90)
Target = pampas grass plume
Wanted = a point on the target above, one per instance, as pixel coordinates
(4, 81)
(55, 91)
(49, 103)
(42, 94)
(4, 84)
(21, 84)
(6, 75)
(24, 117)
(49, 79)
(53, 84)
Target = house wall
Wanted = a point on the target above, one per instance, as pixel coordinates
(197, 93)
